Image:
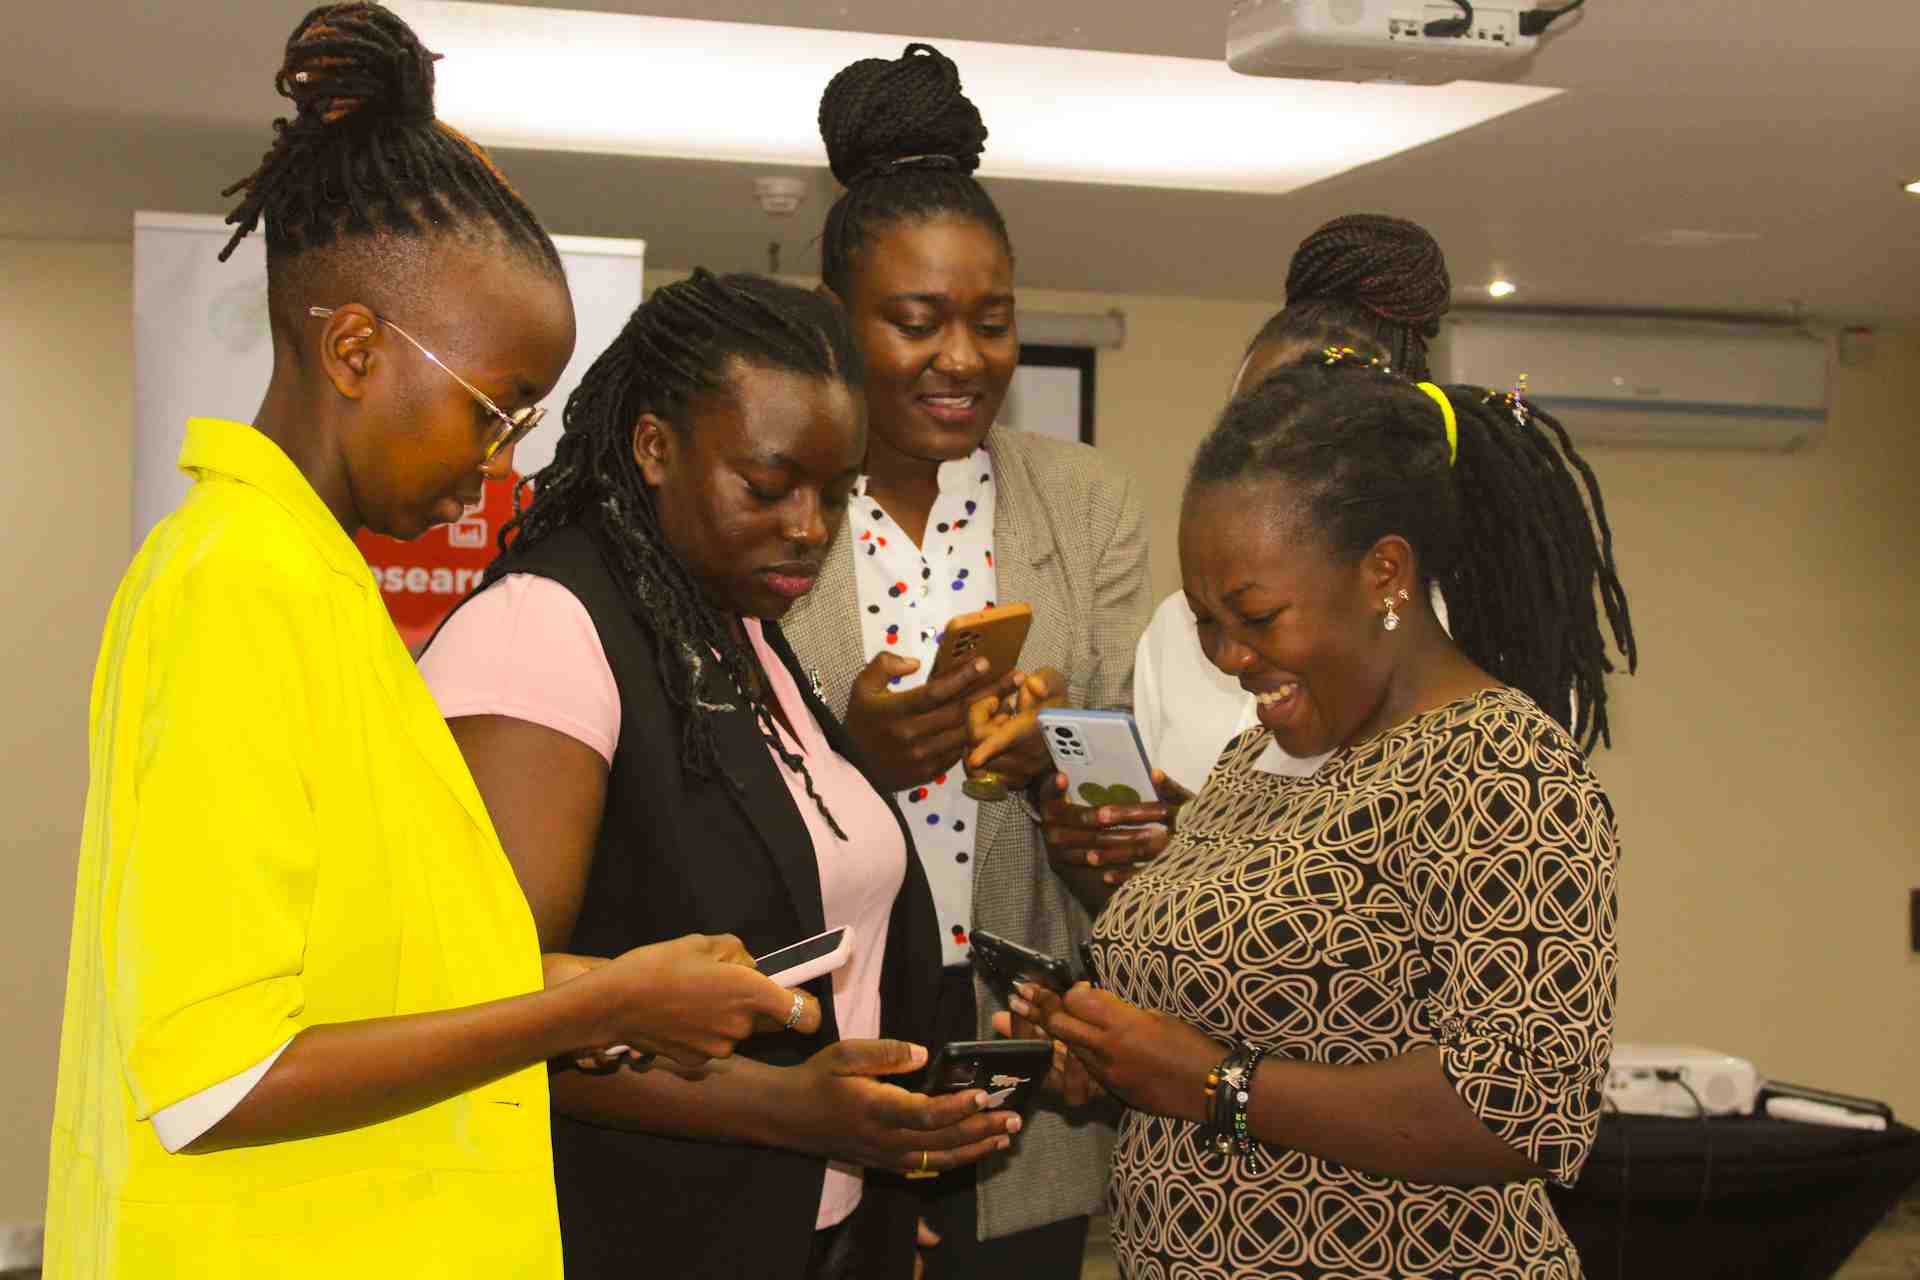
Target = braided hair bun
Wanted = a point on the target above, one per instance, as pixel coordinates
(356, 62)
(877, 113)
(364, 156)
(1389, 266)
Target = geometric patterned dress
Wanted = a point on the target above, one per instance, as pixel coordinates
(1450, 883)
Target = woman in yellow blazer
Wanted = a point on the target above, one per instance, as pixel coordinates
(306, 1014)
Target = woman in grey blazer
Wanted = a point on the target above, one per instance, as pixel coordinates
(955, 514)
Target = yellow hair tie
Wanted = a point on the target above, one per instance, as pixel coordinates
(1446, 411)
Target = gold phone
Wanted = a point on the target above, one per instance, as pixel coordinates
(995, 634)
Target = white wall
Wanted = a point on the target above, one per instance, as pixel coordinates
(66, 371)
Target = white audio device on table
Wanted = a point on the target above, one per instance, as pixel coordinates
(1653, 1079)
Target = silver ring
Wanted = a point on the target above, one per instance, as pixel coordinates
(793, 1014)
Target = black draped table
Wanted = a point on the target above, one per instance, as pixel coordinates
(1781, 1199)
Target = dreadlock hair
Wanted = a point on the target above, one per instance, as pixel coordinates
(1503, 528)
(904, 142)
(364, 165)
(1367, 281)
(678, 346)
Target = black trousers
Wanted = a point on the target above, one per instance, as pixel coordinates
(1052, 1252)
(835, 1254)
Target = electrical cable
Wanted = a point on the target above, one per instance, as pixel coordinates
(1626, 1187)
(1452, 26)
(1534, 21)
(1700, 1108)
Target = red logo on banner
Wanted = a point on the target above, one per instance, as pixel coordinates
(422, 580)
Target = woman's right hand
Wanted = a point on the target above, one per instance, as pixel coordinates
(1067, 1078)
(692, 999)
(911, 737)
(839, 1108)
(1121, 838)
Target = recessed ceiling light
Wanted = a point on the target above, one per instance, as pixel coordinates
(625, 84)
(1503, 289)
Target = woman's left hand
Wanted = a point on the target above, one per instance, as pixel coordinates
(1148, 1060)
(1006, 738)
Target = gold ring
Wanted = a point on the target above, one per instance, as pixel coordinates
(923, 1171)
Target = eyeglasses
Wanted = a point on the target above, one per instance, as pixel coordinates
(513, 427)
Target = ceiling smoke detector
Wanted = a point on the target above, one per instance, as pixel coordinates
(779, 197)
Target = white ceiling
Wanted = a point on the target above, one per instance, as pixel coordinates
(1789, 124)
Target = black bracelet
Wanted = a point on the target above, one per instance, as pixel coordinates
(1229, 1090)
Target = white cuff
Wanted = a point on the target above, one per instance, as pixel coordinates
(187, 1119)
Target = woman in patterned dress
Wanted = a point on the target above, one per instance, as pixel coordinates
(1419, 937)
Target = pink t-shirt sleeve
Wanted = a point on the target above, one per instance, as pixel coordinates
(525, 648)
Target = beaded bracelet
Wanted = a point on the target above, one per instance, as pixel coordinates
(1229, 1089)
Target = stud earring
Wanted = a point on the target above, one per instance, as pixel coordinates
(1392, 619)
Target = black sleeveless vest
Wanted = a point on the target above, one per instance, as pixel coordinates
(677, 854)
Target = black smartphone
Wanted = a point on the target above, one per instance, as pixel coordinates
(1010, 1071)
(1089, 972)
(1006, 963)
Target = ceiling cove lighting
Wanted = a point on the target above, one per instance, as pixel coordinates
(565, 80)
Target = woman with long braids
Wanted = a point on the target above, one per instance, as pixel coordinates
(1368, 283)
(952, 514)
(306, 1032)
(1360, 1018)
(656, 762)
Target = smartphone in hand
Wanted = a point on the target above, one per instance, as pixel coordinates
(1005, 962)
(807, 959)
(996, 634)
(1010, 1071)
(1101, 754)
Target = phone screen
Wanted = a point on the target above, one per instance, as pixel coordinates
(799, 953)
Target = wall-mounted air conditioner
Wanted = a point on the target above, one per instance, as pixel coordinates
(1650, 382)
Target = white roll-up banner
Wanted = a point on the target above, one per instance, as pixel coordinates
(201, 349)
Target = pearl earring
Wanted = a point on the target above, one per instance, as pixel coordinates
(1392, 619)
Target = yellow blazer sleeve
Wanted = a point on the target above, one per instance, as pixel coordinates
(206, 935)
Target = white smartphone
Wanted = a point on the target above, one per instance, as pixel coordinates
(809, 958)
(792, 965)
(1101, 754)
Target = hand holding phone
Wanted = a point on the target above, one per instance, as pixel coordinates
(909, 736)
(789, 966)
(1010, 1071)
(996, 634)
(1005, 962)
(1107, 807)
(840, 1104)
(692, 999)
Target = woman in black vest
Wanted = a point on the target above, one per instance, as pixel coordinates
(656, 763)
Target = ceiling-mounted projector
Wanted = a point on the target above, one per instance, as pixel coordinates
(1401, 41)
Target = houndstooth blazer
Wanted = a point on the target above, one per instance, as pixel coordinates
(1069, 538)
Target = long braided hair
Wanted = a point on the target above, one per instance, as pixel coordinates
(1504, 527)
(678, 346)
(1369, 281)
(364, 158)
(904, 142)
